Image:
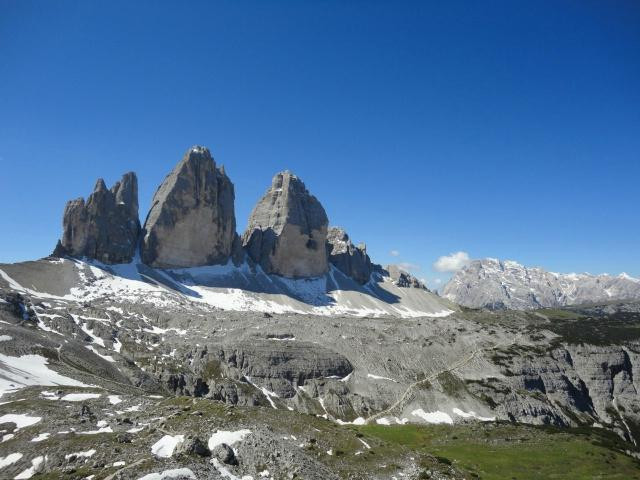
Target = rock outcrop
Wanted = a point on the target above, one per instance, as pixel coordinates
(287, 230)
(350, 259)
(496, 284)
(404, 279)
(106, 226)
(192, 220)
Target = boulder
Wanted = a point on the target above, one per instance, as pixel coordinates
(192, 445)
(225, 454)
(287, 230)
(192, 220)
(350, 259)
(106, 226)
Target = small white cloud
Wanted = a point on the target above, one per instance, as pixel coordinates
(437, 281)
(394, 253)
(408, 267)
(452, 262)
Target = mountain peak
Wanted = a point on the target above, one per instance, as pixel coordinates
(492, 283)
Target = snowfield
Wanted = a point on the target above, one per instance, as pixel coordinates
(18, 372)
(240, 288)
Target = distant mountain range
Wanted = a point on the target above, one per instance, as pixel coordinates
(497, 284)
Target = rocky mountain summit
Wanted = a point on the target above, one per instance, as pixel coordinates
(287, 230)
(189, 247)
(496, 284)
(192, 218)
(106, 226)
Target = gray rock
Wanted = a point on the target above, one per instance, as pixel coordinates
(496, 284)
(287, 230)
(225, 454)
(106, 226)
(350, 259)
(193, 446)
(404, 279)
(192, 220)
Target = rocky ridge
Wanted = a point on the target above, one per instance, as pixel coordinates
(496, 284)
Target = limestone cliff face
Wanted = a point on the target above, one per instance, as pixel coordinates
(192, 220)
(350, 259)
(106, 226)
(287, 230)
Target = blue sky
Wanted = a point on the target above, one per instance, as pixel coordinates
(504, 129)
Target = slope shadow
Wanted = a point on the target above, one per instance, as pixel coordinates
(313, 291)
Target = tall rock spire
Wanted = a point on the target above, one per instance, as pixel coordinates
(287, 230)
(106, 226)
(192, 220)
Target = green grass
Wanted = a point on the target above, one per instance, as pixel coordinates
(489, 451)
(502, 451)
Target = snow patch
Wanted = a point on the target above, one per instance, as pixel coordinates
(79, 397)
(228, 437)
(166, 445)
(10, 459)
(472, 414)
(377, 377)
(20, 419)
(167, 474)
(36, 464)
(87, 454)
(41, 437)
(433, 417)
(19, 372)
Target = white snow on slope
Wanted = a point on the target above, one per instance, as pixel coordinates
(10, 459)
(108, 358)
(18, 372)
(225, 473)
(86, 454)
(378, 377)
(239, 288)
(267, 393)
(167, 474)
(80, 397)
(36, 464)
(433, 417)
(228, 437)
(472, 414)
(96, 432)
(20, 419)
(166, 445)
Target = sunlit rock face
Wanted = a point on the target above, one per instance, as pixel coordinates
(192, 220)
(287, 230)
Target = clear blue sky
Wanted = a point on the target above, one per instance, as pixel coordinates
(504, 129)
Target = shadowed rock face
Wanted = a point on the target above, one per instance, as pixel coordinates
(351, 260)
(106, 226)
(287, 230)
(192, 220)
